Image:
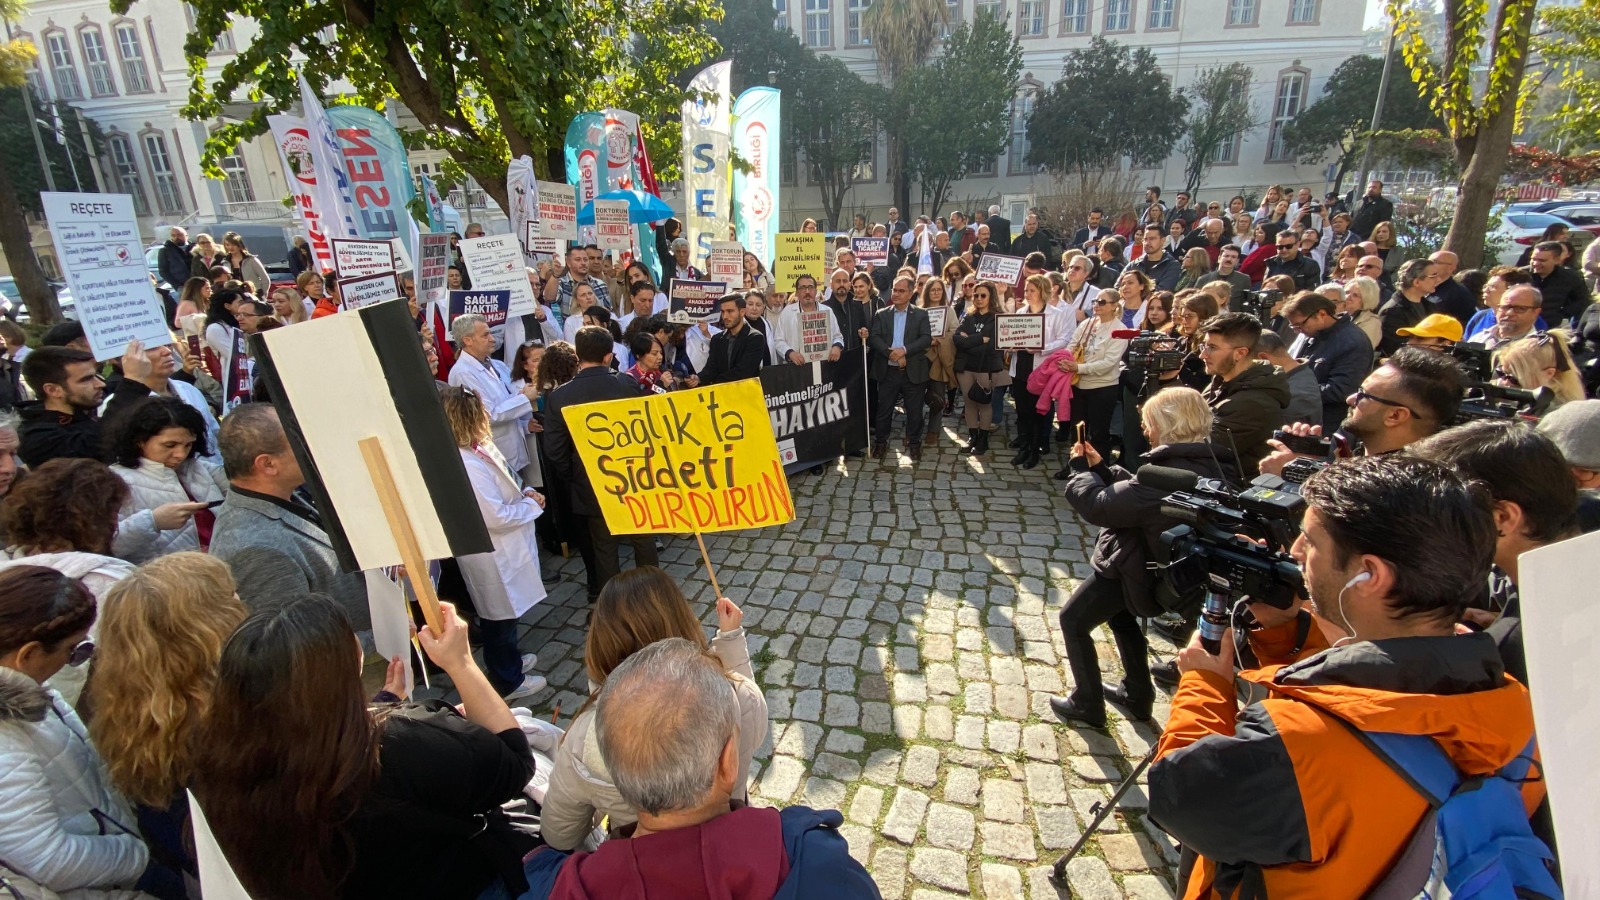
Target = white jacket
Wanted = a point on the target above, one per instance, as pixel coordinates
(151, 485)
(62, 827)
(98, 573)
(508, 410)
(506, 583)
(1100, 365)
(580, 789)
(789, 334)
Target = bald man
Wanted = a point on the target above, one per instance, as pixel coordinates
(1449, 297)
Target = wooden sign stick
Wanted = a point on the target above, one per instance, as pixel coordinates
(400, 526)
(707, 558)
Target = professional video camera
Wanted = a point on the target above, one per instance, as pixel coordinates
(1209, 552)
(1476, 360)
(1491, 401)
(1260, 304)
(1150, 355)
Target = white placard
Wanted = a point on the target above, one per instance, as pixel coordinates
(402, 255)
(558, 211)
(1559, 634)
(98, 247)
(726, 264)
(391, 621)
(611, 228)
(814, 343)
(358, 292)
(433, 269)
(496, 264)
(216, 875)
(938, 320)
(1023, 331)
(360, 259)
(1006, 270)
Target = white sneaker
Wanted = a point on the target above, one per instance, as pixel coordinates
(530, 685)
(529, 660)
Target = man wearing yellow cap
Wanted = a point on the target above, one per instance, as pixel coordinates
(1436, 332)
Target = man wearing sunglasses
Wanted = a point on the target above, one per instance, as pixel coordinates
(1289, 261)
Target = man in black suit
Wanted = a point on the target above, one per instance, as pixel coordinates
(999, 230)
(594, 382)
(1371, 209)
(900, 336)
(1094, 231)
(738, 351)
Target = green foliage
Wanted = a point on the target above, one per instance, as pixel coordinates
(833, 121)
(20, 156)
(954, 113)
(487, 79)
(904, 33)
(1570, 43)
(1449, 83)
(1081, 122)
(1222, 109)
(17, 55)
(1340, 119)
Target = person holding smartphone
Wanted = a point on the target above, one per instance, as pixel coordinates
(159, 449)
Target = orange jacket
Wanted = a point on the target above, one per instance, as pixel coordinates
(324, 307)
(1281, 800)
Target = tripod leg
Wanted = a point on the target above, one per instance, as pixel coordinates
(1102, 811)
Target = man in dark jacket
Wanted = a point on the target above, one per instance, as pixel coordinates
(595, 381)
(900, 336)
(1247, 396)
(1561, 289)
(1335, 349)
(1094, 231)
(1034, 239)
(1290, 262)
(1449, 296)
(1410, 303)
(999, 230)
(738, 351)
(63, 423)
(174, 261)
(691, 839)
(1371, 209)
(1162, 267)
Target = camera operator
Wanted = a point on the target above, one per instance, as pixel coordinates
(1282, 798)
(1177, 423)
(1535, 499)
(1335, 349)
(1412, 395)
(1247, 396)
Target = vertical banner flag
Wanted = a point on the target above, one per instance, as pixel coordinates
(622, 173)
(377, 170)
(522, 192)
(585, 144)
(706, 141)
(334, 201)
(755, 193)
(435, 202)
(294, 148)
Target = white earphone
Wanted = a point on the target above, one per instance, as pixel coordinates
(1364, 576)
(1359, 578)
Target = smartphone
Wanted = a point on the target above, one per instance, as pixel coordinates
(1306, 446)
(214, 504)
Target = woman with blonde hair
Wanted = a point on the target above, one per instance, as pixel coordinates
(1383, 234)
(1540, 360)
(194, 300)
(1196, 265)
(288, 307)
(1361, 296)
(636, 609)
(205, 256)
(161, 633)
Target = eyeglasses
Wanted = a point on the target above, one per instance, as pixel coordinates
(1107, 302)
(1515, 307)
(1287, 246)
(81, 653)
(1362, 394)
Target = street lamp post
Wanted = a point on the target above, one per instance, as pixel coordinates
(66, 144)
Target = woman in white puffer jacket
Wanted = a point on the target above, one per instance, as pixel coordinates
(158, 448)
(64, 832)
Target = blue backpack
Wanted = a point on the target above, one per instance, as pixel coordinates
(1474, 843)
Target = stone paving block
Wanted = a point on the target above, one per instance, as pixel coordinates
(941, 868)
(781, 778)
(942, 679)
(875, 718)
(844, 742)
(1002, 800)
(1008, 841)
(807, 706)
(1039, 742)
(859, 840)
(1084, 799)
(907, 722)
(950, 827)
(905, 815)
(969, 732)
(831, 765)
(1057, 826)
(842, 710)
(938, 722)
(1130, 852)
(823, 793)
(812, 649)
(1095, 769)
(1045, 783)
(1011, 700)
(1145, 887)
(1004, 737)
(961, 785)
(866, 805)
(910, 688)
(1000, 882)
(844, 652)
(883, 766)
(799, 739)
(1090, 879)
(1040, 887)
(889, 871)
(1006, 669)
(839, 678)
(921, 766)
(938, 647)
(980, 698)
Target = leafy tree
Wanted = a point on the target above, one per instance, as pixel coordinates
(1569, 41)
(954, 118)
(1222, 110)
(833, 121)
(1079, 125)
(487, 80)
(1479, 121)
(904, 35)
(1339, 120)
(761, 52)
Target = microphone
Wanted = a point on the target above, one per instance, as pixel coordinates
(1164, 478)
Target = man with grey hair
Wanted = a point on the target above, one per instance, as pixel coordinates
(999, 230)
(174, 260)
(1409, 305)
(667, 726)
(477, 370)
(10, 441)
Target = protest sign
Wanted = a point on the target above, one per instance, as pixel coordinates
(818, 412)
(496, 264)
(1006, 270)
(726, 265)
(433, 268)
(558, 211)
(799, 254)
(870, 250)
(236, 387)
(353, 258)
(1023, 331)
(938, 320)
(814, 343)
(695, 460)
(693, 301)
(358, 292)
(217, 877)
(544, 249)
(611, 228)
(492, 305)
(98, 247)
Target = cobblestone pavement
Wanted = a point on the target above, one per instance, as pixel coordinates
(903, 628)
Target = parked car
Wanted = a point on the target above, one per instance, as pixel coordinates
(11, 304)
(1581, 214)
(1524, 229)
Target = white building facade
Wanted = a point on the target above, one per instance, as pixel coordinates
(1292, 46)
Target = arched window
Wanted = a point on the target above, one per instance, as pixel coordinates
(169, 193)
(63, 70)
(1021, 108)
(236, 184)
(130, 50)
(1286, 105)
(126, 166)
(102, 83)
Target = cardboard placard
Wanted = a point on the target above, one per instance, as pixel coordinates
(433, 269)
(558, 211)
(99, 249)
(817, 411)
(496, 264)
(361, 259)
(799, 254)
(814, 342)
(696, 460)
(1021, 331)
(492, 305)
(726, 264)
(694, 301)
(938, 320)
(870, 250)
(1006, 270)
(358, 292)
(611, 228)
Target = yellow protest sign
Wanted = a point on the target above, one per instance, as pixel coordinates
(695, 460)
(799, 254)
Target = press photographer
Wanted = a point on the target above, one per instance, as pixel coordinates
(1289, 795)
(1177, 423)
